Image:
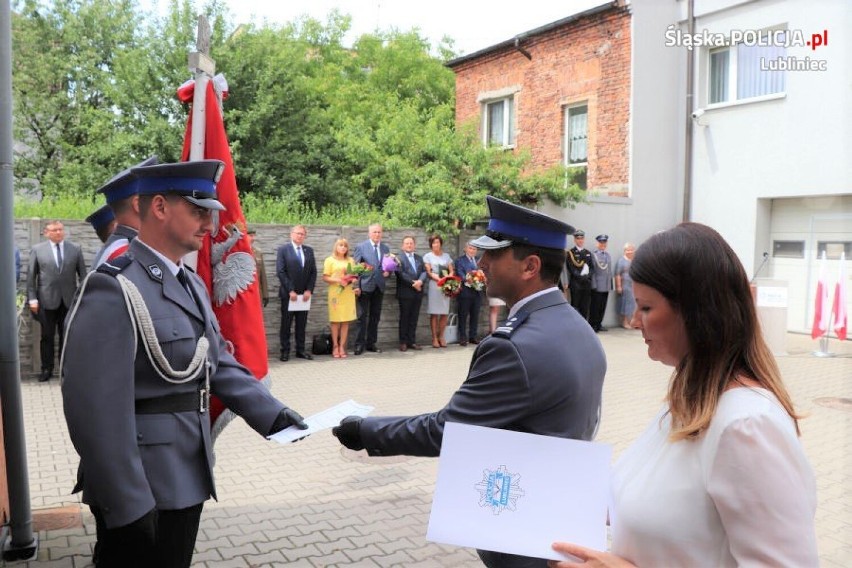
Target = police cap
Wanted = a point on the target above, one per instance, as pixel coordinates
(602, 238)
(579, 234)
(101, 218)
(512, 224)
(194, 181)
(123, 184)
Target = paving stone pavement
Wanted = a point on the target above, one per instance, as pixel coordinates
(314, 504)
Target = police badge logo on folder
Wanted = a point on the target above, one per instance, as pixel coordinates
(518, 493)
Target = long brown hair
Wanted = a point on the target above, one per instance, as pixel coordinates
(699, 274)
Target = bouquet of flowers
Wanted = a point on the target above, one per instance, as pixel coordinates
(475, 279)
(354, 272)
(390, 263)
(450, 285)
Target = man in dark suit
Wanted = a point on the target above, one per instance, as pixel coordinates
(56, 269)
(521, 378)
(410, 281)
(136, 398)
(372, 290)
(580, 269)
(469, 300)
(121, 197)
(297, 271)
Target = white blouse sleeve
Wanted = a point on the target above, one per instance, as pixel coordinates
(764, 491)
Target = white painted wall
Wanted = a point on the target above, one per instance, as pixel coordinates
(766, 170)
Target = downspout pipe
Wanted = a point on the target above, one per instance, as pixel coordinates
(690, 126)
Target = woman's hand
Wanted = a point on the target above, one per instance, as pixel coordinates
(357, 291)
(589, 557)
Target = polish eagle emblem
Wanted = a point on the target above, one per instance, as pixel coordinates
(233, 273)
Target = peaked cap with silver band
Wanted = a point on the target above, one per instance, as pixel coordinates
(194, 181)
(512, 224)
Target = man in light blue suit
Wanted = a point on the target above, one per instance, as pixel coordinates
(371, 290)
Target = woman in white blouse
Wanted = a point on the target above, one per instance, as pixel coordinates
(719, 478)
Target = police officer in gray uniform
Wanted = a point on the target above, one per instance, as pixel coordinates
(121, 197)
(521, 377)
(136, 398)
(601, 283)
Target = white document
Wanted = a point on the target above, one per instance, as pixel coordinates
(300, 304)
(326, 419)
(519, 493)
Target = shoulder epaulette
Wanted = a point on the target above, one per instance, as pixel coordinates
(507, 328)
(114, 266)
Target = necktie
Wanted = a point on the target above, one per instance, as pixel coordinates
(181, 276)
(59, 256)
(301, 258)
(411, 260)
(378, 256)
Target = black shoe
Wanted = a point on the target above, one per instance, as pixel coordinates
(474, 341)
(463, 343)
(602, 328)
(307, 356)
(374, 349)
(414, 346)
(284, 357)
(45, 375)
(359, 349)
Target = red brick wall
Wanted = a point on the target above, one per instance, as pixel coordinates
(587, 60)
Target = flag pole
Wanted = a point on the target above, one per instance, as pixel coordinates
(202, 68)
(18, 541)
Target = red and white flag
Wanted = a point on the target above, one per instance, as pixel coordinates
(839, 309)
(822, 312)
(225, 262)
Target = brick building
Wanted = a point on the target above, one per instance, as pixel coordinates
(562, 91)
(599, 91)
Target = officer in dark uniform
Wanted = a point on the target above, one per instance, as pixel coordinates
(580, 269)
(136, 398)
(121, 196)
(521, 377)
(103, 222)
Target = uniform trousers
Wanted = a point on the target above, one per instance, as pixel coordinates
(369, 314)
(128, 547)
(597, 309)
(51, 321)
(581, 298)
(287, 317)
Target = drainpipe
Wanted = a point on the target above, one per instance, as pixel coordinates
(523, 51)
(690, 103)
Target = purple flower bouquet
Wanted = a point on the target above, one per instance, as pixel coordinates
(390, 263)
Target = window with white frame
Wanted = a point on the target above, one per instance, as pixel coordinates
(576, 150)
(741, 72)
(499, 118)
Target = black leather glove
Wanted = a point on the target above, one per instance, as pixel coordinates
(288, 417)
(265, 302)
(349, 433)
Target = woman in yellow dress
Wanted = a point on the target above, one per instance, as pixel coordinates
(341, 295)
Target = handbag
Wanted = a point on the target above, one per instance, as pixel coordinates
(321, 343)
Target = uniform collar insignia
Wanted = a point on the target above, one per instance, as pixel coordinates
(155, 271)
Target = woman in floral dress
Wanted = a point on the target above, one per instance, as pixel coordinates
(341, 295)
